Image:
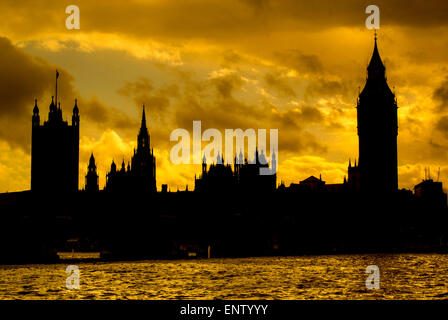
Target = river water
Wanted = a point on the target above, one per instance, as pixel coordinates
(402, 276)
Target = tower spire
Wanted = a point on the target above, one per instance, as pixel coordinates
(92, 161)
(35, 109)
(376, 67)
(143, 135)
(52, 105)
(143, 126)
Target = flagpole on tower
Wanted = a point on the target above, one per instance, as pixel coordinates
(56, 93)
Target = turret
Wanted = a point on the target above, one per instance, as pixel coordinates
(75, 116)
(36, 117)
(113, 167)
(59, 112)
(92, 176)
(92, 166)
(52, 111)
(52, 105)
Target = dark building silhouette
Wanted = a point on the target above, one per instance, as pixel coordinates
(218, 178)
(119, 180)
(54, 151)
(249, 177)
(245, 176)
(432, 192)
(310, 217)
(140, 175)
(376, 170)
(313, 184)
(377, 130)
(91, 176)
(310, 184)
(353, 181)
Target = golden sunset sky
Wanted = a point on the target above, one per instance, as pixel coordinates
(290, 65)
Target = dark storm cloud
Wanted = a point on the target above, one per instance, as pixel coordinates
(221, 110)
(256, 3)
(231, 57)
(287, 120)
(25, 78)
(106, 117)
(298, 118)
(210, 100)
(140, 86)
(442, 125)
(352, 12)
(142, 92)
(311, 115)
(218, 113)
(225, 85)
(214, 18)
(233, 114)
(321, 87)
(302, 63)
(299, 143)
(279, 84)
(293, 138)
(441, 95)
(213, 102)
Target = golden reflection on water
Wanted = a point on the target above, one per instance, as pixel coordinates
(402, 276)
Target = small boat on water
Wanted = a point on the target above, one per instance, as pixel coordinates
(78, 250)
(79, 255)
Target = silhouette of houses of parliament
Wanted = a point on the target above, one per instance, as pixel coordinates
(245, 176)
(301, 218)
(54, 151)
(55, 154)
(140, 175)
